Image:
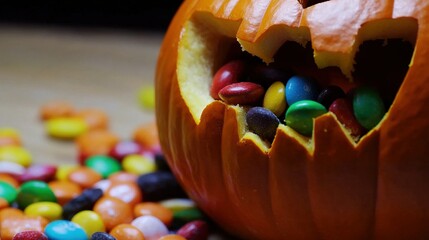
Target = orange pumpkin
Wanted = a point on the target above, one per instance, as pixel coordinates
(323, 187)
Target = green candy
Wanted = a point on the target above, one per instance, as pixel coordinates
(8, 192)
(299, 115)
(34, 191)
(368, 107)
(104, 165)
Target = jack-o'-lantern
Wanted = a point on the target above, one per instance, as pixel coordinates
(324, 186)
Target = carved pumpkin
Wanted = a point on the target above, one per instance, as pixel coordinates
(323, 187)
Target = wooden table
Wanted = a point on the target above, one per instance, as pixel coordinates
(87, 67)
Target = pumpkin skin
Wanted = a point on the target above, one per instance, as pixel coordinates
(326, 187)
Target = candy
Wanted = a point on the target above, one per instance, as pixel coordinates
(9, 179)
(343, 110)
(34, 191)
(178, 204)
(96, 142)
(66, 127)
(16, 154)
(126, 232)
(263, 122)
(124, 148)
(55, 109)
(103, 164)
(49, 210)
(138, 164)
(30, 235)
(94, 118)
(13, 221)
(300, 88)
(38, 172)
(84, 201)
(242, 93)
(329, 94)
(267, 75)
(228, 74)
(154, 209)
(122, 176)
(113, 211)
(368, 107)
(8, 192)
(184, 216)
(172, 237)
(63, 171)
(84, 176)
(159, 185)
(11, 168)
(90, 221)
(151, 227)
(274, 99)
(147, 136)
(3, 203)
(63, 229)
(195, 230)
(127, 192)
(9, 136)
(65, 191)
(102, 236)
(300, 115)
(146, 97)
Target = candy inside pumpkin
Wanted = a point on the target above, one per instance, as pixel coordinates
(382, 62)
(323, 187)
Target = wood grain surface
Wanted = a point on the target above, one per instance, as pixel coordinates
(87, 67)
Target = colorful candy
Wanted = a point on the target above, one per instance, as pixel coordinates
(300, 88)
(300, 115)
(113, 211)
(66, 127)
(103, 164)
(151, 227)
(228, 74)
(368, 107)
(8, 192)
(274, 99)
(194, 230)
(16, 154)
(344, 111)
(34, 191)
(63, 229)
(262, 122)
(84, 201)
(159, 186)
(127, 232)
(242, 93)
(90, 221)
(49, 210)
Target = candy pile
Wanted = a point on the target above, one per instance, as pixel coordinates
(121, 189)
(272, 96)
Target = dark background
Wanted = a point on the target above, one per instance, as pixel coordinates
(153, 15)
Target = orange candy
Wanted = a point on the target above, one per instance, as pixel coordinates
(85, 177)
(172, 237)
(56, 109)
(13, 221)
(126, 232)
(96, 142)
(147, 136)
(113, 211)
(128, 192)
(95, 118)
(9, 179)
(123, 176)
(3, 203)
(155, 209)
(65, 190)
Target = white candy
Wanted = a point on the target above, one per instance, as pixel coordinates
(151, 227)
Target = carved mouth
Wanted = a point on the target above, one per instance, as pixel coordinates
(378, 61)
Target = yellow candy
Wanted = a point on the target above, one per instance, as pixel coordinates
(63, 171)
(9, 132)
(16, 154)
(275, 99)
(66, 127)
(90, 221)
(147, 97)
(178, 204)
(49, 210)
(138, 164)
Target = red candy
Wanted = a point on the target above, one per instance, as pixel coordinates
(38, 172)
(30, 235)
(124, 148)
(195, 230)
(228, 74)
(344, 112)
(243, 93)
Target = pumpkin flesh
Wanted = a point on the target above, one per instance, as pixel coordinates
(326, 186)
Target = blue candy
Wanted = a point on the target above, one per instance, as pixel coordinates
(300, 88)
(63, 229)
